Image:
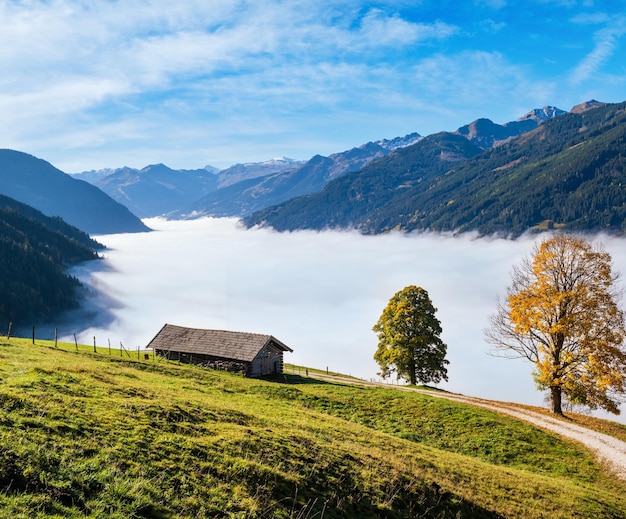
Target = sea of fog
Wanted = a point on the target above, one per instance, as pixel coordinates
(318, 292)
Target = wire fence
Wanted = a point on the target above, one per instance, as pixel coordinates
(141, 354)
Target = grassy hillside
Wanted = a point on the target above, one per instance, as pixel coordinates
(86, 434)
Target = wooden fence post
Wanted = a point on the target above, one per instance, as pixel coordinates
(94, 344)
(9, 331)
(56, 337)
(33, 334)
(76, 342)
(123, 350)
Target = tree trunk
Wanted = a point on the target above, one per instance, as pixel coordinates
(555, 400)
(412, 368)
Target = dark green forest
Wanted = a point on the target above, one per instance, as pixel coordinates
(568, 173)
(35, 251)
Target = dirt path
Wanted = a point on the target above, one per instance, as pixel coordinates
(607, 449)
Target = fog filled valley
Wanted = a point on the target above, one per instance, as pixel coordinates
(318, 292)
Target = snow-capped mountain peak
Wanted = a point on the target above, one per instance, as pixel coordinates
(399, 142)
(542, 114)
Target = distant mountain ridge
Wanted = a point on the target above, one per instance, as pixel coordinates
(245, 188)
(253, 194)
(250, 170)
(157, 190)
(569, 172)
(488, 134)
(37, 183)
(153, 190)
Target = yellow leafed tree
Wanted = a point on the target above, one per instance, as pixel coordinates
(561, 313)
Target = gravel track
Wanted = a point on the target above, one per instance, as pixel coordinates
(607, 449)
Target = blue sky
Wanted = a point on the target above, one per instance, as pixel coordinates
(92, 84)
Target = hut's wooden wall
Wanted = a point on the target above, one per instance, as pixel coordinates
(269, 361)
(207, 361)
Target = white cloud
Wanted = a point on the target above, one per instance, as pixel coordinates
(66, 95)
(377, 28)
(106, 51)
(607, 41)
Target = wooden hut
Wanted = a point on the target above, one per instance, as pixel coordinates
(252, 354)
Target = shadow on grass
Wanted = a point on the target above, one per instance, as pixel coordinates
(295, 379)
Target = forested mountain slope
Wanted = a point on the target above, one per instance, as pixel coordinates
(351, 199)
(34, 253)
(569, 172)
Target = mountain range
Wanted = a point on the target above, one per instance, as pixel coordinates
(252, 194)
(157, 190)
(244, 189)
(566, 173)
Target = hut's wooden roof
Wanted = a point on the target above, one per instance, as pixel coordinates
(241, 346)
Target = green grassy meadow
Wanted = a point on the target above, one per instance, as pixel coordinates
(86, 434)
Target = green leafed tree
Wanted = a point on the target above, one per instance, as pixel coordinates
(409, 342)
(561, 314)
